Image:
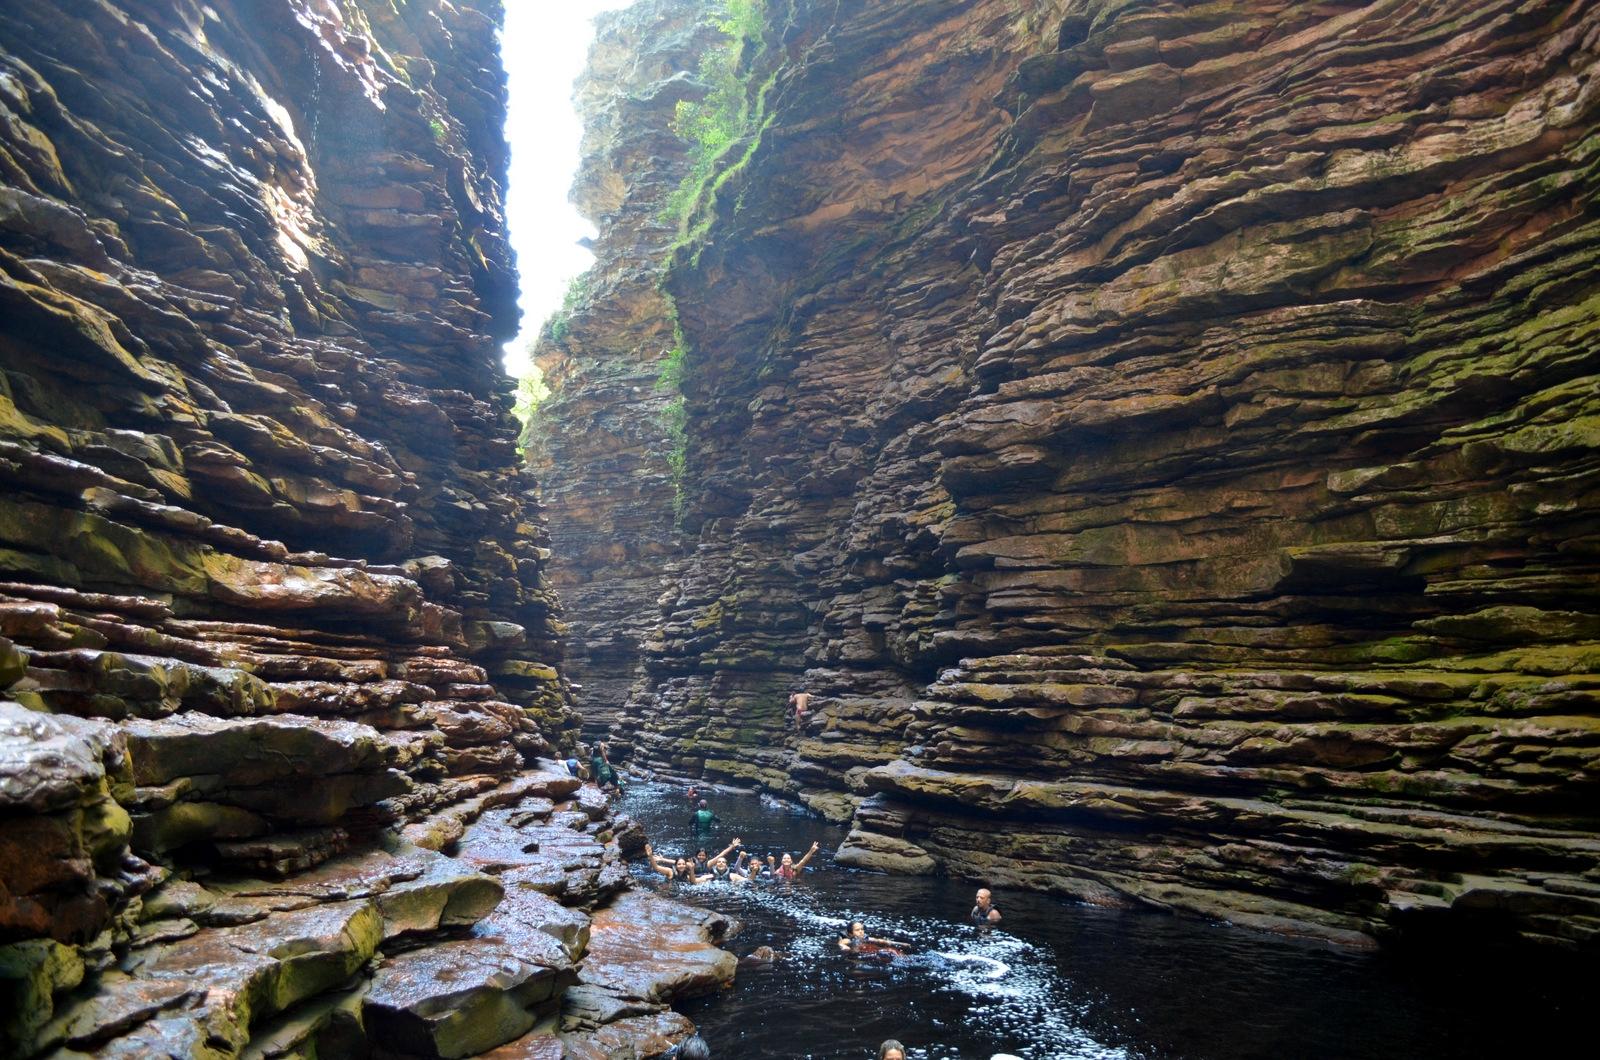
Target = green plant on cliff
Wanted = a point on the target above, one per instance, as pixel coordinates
(675, 414)
(559, 326)
(724, 116)
(531, 392)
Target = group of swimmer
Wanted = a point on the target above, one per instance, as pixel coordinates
(745, 868)
(858, 943)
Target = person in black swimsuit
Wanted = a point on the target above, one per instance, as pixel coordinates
(984, 913)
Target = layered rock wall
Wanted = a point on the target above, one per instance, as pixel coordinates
(600, 443)
(1159, 436)
(279, 651)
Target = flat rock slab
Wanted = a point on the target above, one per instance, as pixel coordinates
(650, 948)
(636, 1038)
(462, 998)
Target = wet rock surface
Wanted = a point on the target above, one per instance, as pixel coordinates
(1158, 439)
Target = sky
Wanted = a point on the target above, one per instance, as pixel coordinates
(544, 46)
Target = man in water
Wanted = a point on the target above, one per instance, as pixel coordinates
(756, 871)
(703, 818)
(984, 913)
(799, 703)
(703, 862)
(891, 1050)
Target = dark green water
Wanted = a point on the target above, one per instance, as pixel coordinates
(1070, 981)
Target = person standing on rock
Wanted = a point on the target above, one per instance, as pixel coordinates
(600, 768)
(799, 703)
(984, 913)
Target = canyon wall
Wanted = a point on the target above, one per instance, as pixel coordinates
(277, 647)
(1161, 437)
(599, 443)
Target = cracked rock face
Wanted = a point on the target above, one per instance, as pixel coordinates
(1158, 436)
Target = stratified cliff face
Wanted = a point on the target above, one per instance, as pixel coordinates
(599, 443)
(278, 651)
(1161, 437)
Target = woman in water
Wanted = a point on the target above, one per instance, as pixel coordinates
(857, 944)
(679, 870)
(790, 868)
(891, 1050)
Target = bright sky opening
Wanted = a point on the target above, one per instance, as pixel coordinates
(544, 46)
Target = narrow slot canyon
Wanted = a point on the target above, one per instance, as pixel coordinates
(1152, 442)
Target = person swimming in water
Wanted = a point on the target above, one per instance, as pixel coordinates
(789, 868)
(680, 870)
(891, 1050)
(755, 871)
(857, 943)
(703, 862)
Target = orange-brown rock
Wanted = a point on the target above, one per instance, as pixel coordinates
(1160, 437)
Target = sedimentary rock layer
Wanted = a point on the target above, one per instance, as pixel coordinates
(600, 443)
(1161, 436)
(277, 650)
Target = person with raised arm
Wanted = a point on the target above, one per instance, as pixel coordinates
(789, 868)
(681, 870)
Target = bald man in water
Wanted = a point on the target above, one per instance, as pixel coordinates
(984, 913)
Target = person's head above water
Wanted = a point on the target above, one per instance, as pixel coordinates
(700, 855)
(891, 1050)
(858, 930)
(693, 1048)
(984, 897)
(721, 864)
(682, 865)
(702, 804)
